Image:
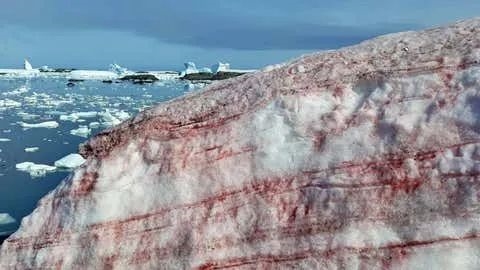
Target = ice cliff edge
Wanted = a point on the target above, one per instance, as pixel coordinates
(366, 157)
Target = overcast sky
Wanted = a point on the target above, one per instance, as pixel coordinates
(162, 34)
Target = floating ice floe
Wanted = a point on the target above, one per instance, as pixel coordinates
(9, 103)
(5, 219)
(27, 116)
(21, 90)
(92, 75)
(47, 124)
(70, 161)
(82, 131)
(94, 125)
(113, 117)
(35, 170)
(76, 116)
(31, 149)
(4, 140)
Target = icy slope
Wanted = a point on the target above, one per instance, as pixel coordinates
(362, 158)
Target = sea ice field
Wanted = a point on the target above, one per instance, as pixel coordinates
(42, 122)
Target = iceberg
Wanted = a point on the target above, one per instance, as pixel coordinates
(220, 67)
(119, 70)
(70, 161)
(35, 170)
(4, 140)
(47, 124)
(190, 68)
(5, 219)
(27, 65)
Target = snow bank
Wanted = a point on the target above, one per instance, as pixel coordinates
(70, 161)
(35, 170)
(47, 124)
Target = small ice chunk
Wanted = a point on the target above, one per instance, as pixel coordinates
(9, 103)
(71, 161)
(82, 131)
(4, 140)
(109, 119)
(68, 117)
(31, 149)
(47, 124)
(5, 219)
(35, 170)
(94, 125)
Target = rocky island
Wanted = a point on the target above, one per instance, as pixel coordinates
(367, 157)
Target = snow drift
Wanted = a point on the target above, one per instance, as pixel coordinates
(363, 158)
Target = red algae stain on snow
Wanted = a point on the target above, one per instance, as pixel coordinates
(292, 167)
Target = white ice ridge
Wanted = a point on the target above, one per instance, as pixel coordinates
(70, 161)
(5, 219)
(35, 170)
(47, 124)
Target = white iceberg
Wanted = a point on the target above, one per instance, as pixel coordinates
(71, 161)
(31, 149)
(5, 219)
(47, 124)
(190, 68)
(27, 65)
(82, 131)
(119, 70)
(35, 170)
(4, 140)
(220, 67)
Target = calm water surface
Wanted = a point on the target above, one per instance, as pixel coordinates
(45, 99)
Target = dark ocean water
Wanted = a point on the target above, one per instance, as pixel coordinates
(45, 99)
